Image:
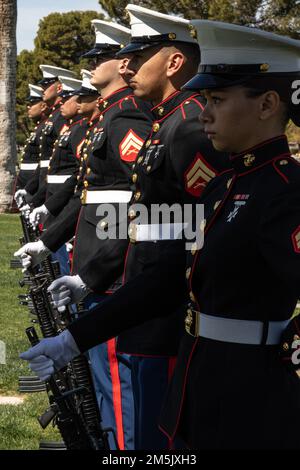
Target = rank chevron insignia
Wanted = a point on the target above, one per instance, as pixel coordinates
(198, 174)
(130, 146)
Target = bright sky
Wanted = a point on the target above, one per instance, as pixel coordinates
(31, 11)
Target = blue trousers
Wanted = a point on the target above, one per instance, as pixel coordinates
(150, 377)
(62, 256)
(112, 380)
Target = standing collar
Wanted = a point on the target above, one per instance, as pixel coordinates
(113, 98)
(263, 153)
(169, 104)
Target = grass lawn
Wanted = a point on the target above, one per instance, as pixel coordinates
(19, 428)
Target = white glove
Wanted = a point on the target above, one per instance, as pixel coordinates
(32, 253)
(38, 215)
(25, 209)
(67, 290)
(18, 197)
(51, 354)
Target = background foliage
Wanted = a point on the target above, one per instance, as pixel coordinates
(63, 37)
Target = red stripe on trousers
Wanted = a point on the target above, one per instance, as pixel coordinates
(116, 390)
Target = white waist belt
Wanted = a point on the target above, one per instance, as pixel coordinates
(109, 196)
(57, 179)
(154, 232)
(28, 166)
(44, 163)
(234, 331)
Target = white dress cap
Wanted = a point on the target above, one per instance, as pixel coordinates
(145, 22)
(224, 43)
(69, 84)
(110, 33)
(49, 71)
(35, 92)
(86, 76)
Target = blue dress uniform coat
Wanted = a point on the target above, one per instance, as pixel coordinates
(66, 152)
(30, 155)
(124, 124)
(174, 166)
(52, 128)
(65, 204)
(225, 394)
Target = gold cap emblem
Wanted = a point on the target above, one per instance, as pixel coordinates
(193, 32)
(172, 36)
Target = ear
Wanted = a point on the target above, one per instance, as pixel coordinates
(44, 106)
(175, 63)
(269, 104)
(123, 65)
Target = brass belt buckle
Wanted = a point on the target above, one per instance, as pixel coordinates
(192, 322)
(132, 232)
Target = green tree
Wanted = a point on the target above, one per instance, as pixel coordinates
(8, 19)
(61, 40)
(280, 16)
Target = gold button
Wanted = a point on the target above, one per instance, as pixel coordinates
(104, 104)
(78, 177)
(285, 346)
(187, 102)
(50, 115)
(49, 167)
(85, 157)
(194, 248)
(217, 203)
(148, 143)
(131, 214)
(202, 225)
(283, 162)
(264, 67)
(149, 167)
(133, 166)
(101, 117)
(192, 297)
(137, 196)
(188, 273)
(229, 183)
(160, 111)
(40, 154)
(134, 177)
(139, 160)
(80, 168)
(155, 127)
(85, 184)
(88, 171)
(249, 159)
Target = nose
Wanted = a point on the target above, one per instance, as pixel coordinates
(130, 71)
(205, 116)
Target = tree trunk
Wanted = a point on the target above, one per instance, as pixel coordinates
(8, 49)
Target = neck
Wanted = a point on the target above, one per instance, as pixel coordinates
(257, 138)
(164, 94)
(112, 87)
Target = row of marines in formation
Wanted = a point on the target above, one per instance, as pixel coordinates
(207, 330)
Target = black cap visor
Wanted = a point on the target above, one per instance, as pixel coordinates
(101, 50)
(83, 91)
(33, 100)
(205, 81)
(45, 82)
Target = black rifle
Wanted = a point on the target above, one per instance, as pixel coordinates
(76, 433)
